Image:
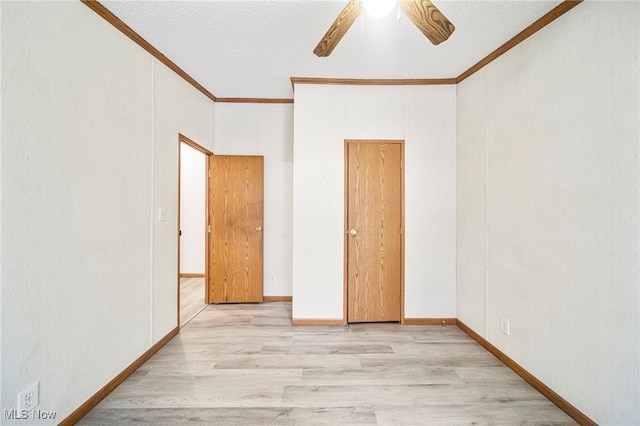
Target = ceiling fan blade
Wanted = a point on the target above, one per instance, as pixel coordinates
(338, 29)
(428, 19)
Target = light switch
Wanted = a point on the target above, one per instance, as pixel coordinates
(162, 214)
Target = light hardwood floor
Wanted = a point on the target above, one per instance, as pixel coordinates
(246, 365)
(191, 298)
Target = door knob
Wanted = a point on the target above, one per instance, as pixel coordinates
(258, 228)
(353, 232)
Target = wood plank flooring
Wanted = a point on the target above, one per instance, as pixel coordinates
(191, 298)
(246, 365)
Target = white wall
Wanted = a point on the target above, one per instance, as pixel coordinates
(89, 153)
(1, 97)
(423, 116)
(192, 210)
(179, 108)
(267, 130)
(548, 139)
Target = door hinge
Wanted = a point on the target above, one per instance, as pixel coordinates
(401, 230)
(209, 228)
(209, 173)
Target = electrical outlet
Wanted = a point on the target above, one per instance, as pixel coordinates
(504, 325)
(162, 214)
(28, 398)
(273, 279)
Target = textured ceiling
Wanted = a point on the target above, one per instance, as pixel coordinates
(250, 49)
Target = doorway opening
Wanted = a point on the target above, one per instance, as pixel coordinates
(193, 233)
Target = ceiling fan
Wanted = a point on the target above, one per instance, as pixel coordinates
(433, 24)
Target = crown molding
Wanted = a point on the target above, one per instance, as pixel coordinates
(551, 16)
(373, 81)
(548, 18)
(108, 16)
(255, 100)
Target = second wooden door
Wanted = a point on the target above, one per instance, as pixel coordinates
(236, 240)
(374, 231)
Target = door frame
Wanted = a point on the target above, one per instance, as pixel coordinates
(183, 139)
(345, 299)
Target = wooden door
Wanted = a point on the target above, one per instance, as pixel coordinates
(374, 230)
(236, 240)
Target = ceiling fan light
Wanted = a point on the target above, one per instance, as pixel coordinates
(378, 8)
